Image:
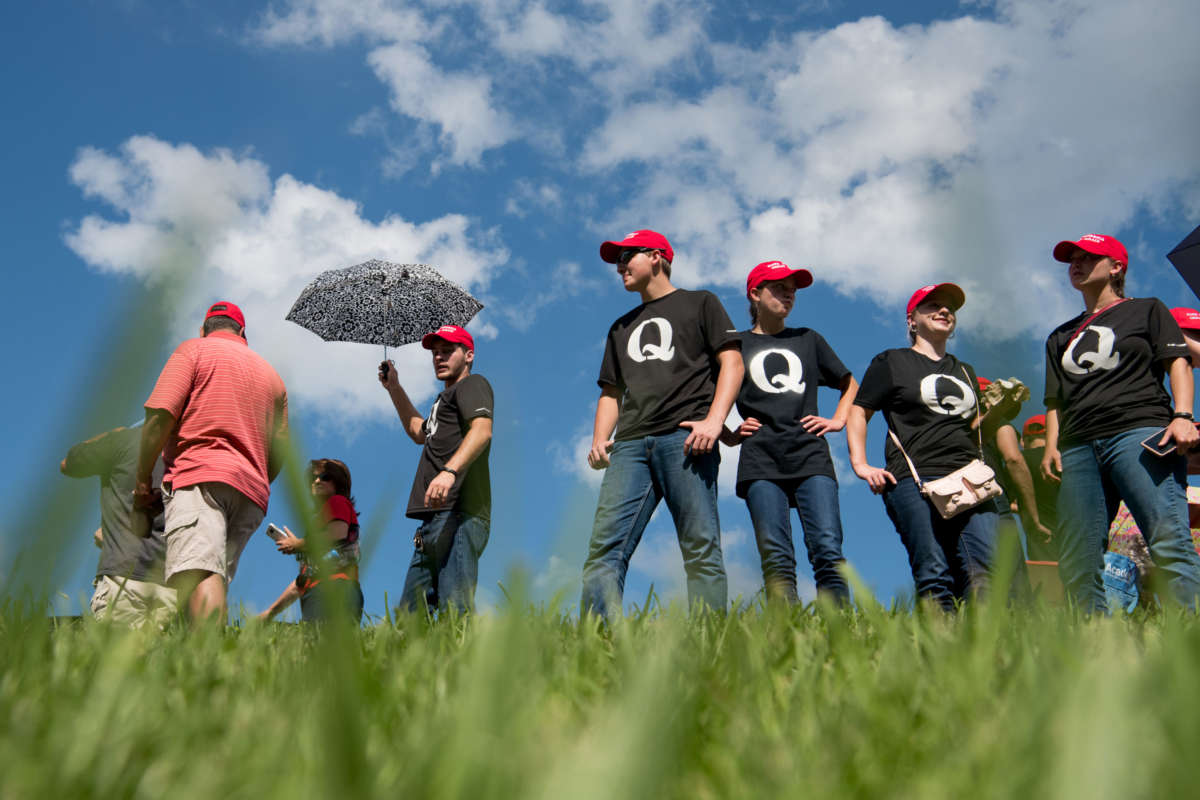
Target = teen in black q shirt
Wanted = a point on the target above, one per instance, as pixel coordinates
(669, 376)
(1104, 397)
(928, 398)
(784, 461)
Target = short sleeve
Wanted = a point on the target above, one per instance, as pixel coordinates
(830, 367)
(96, 456)
(1052, 397)
(474, 398)
(876, 384)
(610, 369)
(340, 508)
(174, 384)
(1166, 338)
(718, 328)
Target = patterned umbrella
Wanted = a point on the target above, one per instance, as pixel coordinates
(379, 302)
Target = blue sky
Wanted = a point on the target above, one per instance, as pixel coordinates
(235, 150)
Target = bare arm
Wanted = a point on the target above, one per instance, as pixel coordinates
(821, 426)
(410, 418)
(155, 432)
(289, 596)
(1010, 450)
(335, 531)
(608, 409)
(706, 433)
(479, 434)
(856, 442)
(1182, 431)
(1051, 459)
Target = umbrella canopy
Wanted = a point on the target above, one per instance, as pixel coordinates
(1186, 258)
(378, 302)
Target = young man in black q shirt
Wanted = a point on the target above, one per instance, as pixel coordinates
(452, 491)
(671, 371)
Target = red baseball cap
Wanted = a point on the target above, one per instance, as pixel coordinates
(777, 271)
(1035, 425)
(224, 309)
(1095, 243)
(449, 333)
(652, 239)
(952, 294)
(1188, 318)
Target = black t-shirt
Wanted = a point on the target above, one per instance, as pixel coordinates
(444, 429)
(783, 372)
(662, 357)
(113, 457)
(1109, 379)
(929, 404)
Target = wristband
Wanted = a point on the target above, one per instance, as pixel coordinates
(453, 472)
(1183, 415)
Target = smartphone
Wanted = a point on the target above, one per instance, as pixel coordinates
(275, 532)
(1151, 443)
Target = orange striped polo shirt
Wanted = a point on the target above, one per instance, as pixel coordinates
(228, 404)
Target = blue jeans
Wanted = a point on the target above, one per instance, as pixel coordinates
(950, 558)
(1095, 477)
(445, 566)
(640, 473)
(816, 499)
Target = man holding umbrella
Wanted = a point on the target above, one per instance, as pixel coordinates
(451, 493)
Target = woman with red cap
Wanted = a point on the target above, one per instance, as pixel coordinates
(928, 398)
(785, 461)
(1104, 399)
(328, 581)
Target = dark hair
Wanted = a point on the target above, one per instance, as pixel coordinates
(221, 324)
(337, 471)
(753, 313)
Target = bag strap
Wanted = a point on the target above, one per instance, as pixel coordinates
(1089, 320)
(911, 467)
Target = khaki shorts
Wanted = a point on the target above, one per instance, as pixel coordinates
(207, 527)
(133, 603)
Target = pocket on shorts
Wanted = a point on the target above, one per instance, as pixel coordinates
(180, 522)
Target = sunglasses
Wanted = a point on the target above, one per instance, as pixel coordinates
(324, 476)
(627, 253)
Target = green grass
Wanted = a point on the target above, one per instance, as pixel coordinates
(531, 703)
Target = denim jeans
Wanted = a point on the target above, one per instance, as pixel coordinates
(332, 596)
(950, 558)
(816, 499)
(640, 473)
(445, 567)
(1095, 477)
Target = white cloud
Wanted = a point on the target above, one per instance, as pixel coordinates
(884, 156)
(218, 225)
(888, 157)
(459, 104)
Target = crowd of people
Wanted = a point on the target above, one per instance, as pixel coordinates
(182, 495)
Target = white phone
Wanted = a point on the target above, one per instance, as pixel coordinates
(275, 532)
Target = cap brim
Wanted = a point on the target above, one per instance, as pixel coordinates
(950, 292)
(609, 252)
(428, 339)
(1064, 250)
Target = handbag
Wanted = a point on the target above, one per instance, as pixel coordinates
(962, 489)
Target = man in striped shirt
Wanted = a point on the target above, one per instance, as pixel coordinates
(220, 411)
